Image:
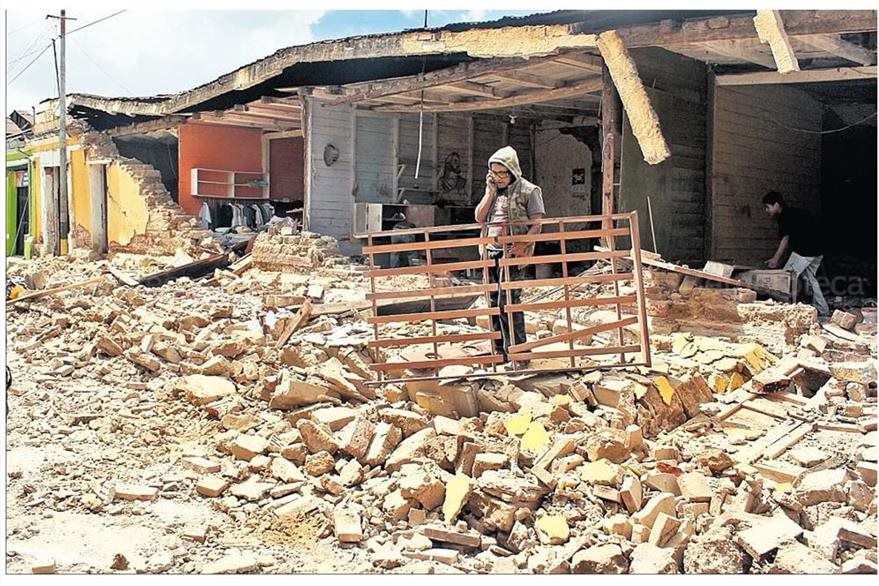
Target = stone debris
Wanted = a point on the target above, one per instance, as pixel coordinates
(751, 452)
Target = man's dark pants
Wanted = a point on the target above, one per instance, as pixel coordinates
(497, 274)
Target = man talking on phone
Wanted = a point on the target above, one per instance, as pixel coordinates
(508, 198)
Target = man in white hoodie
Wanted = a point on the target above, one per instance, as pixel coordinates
(509, 197)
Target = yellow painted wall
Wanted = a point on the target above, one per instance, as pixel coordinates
(126, 210)
(80, 198)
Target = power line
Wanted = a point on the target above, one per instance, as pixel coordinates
(21, 28)
(32, 46)
(95, 22)
(101, 69)
(26, 67)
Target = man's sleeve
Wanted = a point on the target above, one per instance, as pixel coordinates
(535, 203)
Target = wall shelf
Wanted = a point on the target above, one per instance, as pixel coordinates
(224, 183)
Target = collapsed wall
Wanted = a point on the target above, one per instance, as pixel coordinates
(279, 252)
(674, 305)
(165, 226)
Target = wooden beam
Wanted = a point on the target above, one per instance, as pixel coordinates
(276, 116)
(740, 50)
(229, 120)
(163, 123)
(460, 72)
(528, 79)
(770, 29)
(587, 86)
(283, 134)
(836, 46)
(292, 103)
(642, 116)
(803, 76)
(797, 22)
(591, 63)
(479, 89)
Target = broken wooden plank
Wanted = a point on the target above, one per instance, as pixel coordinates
(642, 117)
(836, 46)
(770, 29)
(48, 292)
(301, 317)
(794, 436)
(191, 270)
(805, 76)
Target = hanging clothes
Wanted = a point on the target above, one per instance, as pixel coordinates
(257, 217)
(204, 215)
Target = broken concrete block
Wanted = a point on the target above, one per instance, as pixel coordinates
(646, 558)
(859, 566)
(286, 471)
(130, 492)
(713, 554)
(410, 449)
(252, 490)
(640, 533)
(347, 525)
(694, 487)
(357, 436)
(867, 472)
(351, 473)
(408, 422)
(855, 372)
(234, 563)
(200, 465)
(715, 460)
(808, 456)
(43, 567)
(319, 464)
(535, 438)
(619, 524)
(383, 443)
(631, 494)
(396, 507)
(421, 486)
(663, 502)
(600, 559)
(844, 319)
(663, 528)
(468, 539)
(211, 486)
(201, 389)
(763, 538)
(609, 444)
(245, 447)
(663, 482)
(601, 472)
(488, 461)
(317, 437)
(552, 529)
(822, 486)
(334, 418)
(795, 558)
(458, 490)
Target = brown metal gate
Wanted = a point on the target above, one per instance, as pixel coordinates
(456, 349)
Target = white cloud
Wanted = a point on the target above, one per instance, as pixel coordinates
(473, 16)
(148, 52)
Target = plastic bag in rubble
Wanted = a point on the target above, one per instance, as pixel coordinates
(282, 226)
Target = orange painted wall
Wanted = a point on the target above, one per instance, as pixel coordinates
(212, 146)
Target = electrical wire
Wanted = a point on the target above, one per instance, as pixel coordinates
(95, 22)
(807, 131)
(33, 45)
(101, 69)
(26, 67)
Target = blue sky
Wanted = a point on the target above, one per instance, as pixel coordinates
(141, 53)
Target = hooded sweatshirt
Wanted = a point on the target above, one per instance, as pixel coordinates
(522, 198)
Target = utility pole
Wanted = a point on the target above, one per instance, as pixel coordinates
(60, 228)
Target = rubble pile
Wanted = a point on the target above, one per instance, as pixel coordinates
(296, 250)
(246, 398)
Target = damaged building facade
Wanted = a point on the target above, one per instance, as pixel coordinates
(343, 135)
(304, 407)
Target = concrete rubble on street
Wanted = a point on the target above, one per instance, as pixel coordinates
(226, 425)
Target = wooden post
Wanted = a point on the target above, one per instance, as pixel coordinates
(610, 124)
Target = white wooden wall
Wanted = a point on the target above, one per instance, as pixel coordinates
(374, 159)
(328, 189)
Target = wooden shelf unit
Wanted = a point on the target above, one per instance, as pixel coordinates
(223, 183)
